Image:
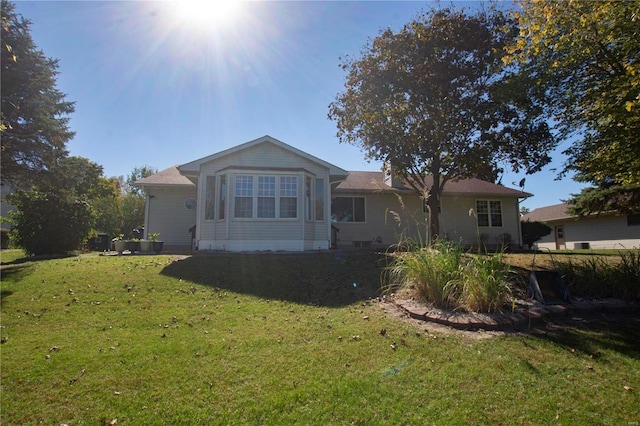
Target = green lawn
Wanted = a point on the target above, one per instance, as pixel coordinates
(281, 339)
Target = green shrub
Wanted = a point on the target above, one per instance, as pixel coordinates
(48, 223)
(4, 238)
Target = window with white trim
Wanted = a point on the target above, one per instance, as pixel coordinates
(266, 196)
(489, 213)
(288, 197)
(347, 209)
(210, 199)
(307, 199)
(222, 197)
(319, 199)
(243, 196)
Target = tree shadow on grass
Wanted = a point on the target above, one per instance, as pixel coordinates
(323, 279)
(615, 332)
(14, 273)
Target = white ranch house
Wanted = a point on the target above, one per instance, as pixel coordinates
(265, 195)
(609, 230)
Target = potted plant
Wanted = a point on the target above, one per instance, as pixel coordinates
(157, 245)
(133, 245)
(145, 246)
(119, 243)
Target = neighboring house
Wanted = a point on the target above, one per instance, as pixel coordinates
(601, 231)
(267, 195)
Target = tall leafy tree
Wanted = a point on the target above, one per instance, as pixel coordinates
(584, 57)
(436, 99)
(34, 113)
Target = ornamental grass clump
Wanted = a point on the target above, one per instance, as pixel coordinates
(485, 285)
(450, 279)
(432, 272)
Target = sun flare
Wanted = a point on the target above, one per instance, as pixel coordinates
(207, 13)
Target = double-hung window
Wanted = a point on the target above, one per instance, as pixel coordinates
(244, 196)
(209, 210)
(489, 213)
(266, 196)
(288, 197)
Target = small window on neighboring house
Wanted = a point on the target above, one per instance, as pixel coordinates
(288, 197)
(347, 209)
(489, 213)
(633, 219)
(209, 209)
(243, 196)
(319, 199)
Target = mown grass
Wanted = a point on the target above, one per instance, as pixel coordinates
(280, 339)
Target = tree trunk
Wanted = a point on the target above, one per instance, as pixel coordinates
(433, 201)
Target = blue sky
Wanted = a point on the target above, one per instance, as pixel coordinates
(156, 87)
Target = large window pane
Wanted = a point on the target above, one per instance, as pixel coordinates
(266, 196)
(482, 213)
(222, 196)
(244, 197)
(495, 208)
(319, 199)
(288, 197)
(307, 199)
(348, 209)
(209, 208)
(288, 207)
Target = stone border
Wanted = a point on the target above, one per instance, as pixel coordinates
(521, 319)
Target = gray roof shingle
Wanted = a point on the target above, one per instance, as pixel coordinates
(548, 213)
(374, 181)
(170, 176)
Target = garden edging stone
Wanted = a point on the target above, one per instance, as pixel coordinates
(521, 320)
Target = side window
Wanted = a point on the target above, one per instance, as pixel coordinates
(209, 209)
(348, 209)
(319, 199)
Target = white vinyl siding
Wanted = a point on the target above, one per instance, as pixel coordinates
(169, 216)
